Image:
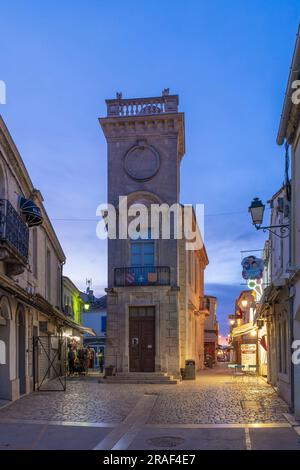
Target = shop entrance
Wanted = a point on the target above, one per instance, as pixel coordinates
(49, 363)
(5, 393)
(142, 339)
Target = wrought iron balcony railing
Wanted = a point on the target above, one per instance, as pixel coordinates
(13, 230)
(204, 304)
(142, 276)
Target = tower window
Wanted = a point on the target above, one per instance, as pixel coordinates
(142, 253)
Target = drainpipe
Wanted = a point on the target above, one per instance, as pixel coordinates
(291, 305)
(290, 195)
(61, 286)
(291, 311)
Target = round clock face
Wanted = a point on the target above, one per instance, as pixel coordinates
(142, 162)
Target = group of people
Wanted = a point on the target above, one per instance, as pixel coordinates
(83, 358)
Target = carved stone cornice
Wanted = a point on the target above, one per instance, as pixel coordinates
(128, 127)
(17, 167)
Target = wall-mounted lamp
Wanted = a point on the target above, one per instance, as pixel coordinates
(256, 210)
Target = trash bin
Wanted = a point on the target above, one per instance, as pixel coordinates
(190, 370)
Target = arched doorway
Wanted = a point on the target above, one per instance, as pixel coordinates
(5, 317)
(21, 355)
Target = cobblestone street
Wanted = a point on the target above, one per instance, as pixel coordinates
(198, 413)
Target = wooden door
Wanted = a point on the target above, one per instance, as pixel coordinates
(142, 339)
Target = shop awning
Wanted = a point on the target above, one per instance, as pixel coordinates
(31, 212)
(67, 321)
(269, 295)
(41, 304)
(243, 329)
(85, 329)
(94, 341)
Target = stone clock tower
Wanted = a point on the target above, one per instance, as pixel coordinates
(145, 139)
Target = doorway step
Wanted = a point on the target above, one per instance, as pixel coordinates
(159, 378)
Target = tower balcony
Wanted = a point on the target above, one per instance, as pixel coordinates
(14, 239)
(142, 276)
(142, 106)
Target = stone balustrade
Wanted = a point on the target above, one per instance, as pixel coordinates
(142, 106)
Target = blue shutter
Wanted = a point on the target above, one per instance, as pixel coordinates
(103, 324)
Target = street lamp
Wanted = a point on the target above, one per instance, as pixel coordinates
(244, 303)
(232, 322)
(256, 210)
(86, 306)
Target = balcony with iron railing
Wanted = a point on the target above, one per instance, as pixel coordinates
(142, 106)
(14, 239)
(142, 276)
(205, 305)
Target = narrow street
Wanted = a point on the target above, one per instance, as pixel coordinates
(192, 415)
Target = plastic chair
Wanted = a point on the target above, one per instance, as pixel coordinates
(239, 371)
(232, 369)
(253, 371)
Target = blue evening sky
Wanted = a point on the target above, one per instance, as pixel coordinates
(228, 61)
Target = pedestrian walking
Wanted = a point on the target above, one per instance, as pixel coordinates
(101, 361)
(81, 358)
(86, 360)
(71, 361)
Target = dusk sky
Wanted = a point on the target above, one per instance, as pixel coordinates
(227, 60)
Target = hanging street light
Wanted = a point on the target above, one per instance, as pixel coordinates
(256, 210)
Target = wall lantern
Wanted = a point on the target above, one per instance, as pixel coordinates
(256, 210)
(86, 306)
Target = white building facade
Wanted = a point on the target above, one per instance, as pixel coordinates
(274, 309)
(289, 134)
(31, 261)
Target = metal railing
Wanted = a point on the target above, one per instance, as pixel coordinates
(204, 303)
(142, 276)
(13, 230)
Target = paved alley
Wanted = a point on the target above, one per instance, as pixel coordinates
(191, 415)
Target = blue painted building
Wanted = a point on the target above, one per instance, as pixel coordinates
(95, 318)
